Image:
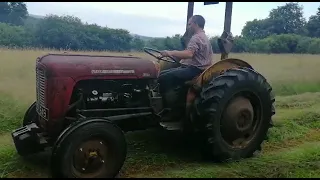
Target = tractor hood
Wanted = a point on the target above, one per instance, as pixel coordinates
(85, 66)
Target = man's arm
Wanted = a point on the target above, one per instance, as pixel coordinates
(185, 54)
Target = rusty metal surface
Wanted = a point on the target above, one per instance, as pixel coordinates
(90, 159)
(63, 71)
(217, 68)
(79, 66)
(237, 122)
(225, 43)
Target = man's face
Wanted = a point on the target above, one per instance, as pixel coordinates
(191, 26)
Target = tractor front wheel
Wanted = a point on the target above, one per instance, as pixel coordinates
(236, 108)
(31, 115)
(93, 150)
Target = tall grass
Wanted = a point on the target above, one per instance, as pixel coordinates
(289, 74)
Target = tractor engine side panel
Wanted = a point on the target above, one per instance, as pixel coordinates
(105, 94)
(97, 94)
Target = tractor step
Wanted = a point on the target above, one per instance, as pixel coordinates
(171, 126)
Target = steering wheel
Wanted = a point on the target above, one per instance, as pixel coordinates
(149, 51)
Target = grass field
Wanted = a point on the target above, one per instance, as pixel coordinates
(291, 151)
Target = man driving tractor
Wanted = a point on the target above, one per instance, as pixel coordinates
(196, 57)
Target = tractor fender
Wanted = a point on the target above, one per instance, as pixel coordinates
(73, 127)
(206, 76)
(218, 68)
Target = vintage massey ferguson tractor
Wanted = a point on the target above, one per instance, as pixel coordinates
(84, 105)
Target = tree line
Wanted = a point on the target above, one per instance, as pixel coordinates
(285, 30)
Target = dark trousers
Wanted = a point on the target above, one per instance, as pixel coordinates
(173, 78)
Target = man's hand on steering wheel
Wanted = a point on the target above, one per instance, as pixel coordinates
(161, 55)
(165, 54)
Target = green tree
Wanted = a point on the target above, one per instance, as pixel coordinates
(241, 44)
(313, 25)
(13, 12)
(268, 35)
(287, 19)
(137, 44)
(257, 29)
(58, 32)
(313, 47)
(4, 12)
(14, 36)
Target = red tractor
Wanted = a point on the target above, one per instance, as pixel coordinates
(85, 104)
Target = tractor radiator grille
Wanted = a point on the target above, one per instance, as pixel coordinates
(40, 88)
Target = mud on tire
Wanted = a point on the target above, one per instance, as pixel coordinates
(213, 101)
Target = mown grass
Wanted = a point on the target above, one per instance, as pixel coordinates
(291, 151)
(301, 161)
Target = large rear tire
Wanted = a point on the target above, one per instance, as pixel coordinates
(238, 104)
(93, 150)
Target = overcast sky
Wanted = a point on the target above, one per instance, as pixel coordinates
(158, 19)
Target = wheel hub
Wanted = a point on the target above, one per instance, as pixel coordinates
(238, 121)
(244, 119)
(90, 158)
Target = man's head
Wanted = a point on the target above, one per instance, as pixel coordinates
(196, 23)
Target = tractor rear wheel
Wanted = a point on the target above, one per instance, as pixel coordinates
(31, 115)
(93, 150)
(236, 108)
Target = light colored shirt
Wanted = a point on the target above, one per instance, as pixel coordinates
(202, 48)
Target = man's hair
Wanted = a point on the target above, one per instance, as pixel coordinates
(199, 20)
